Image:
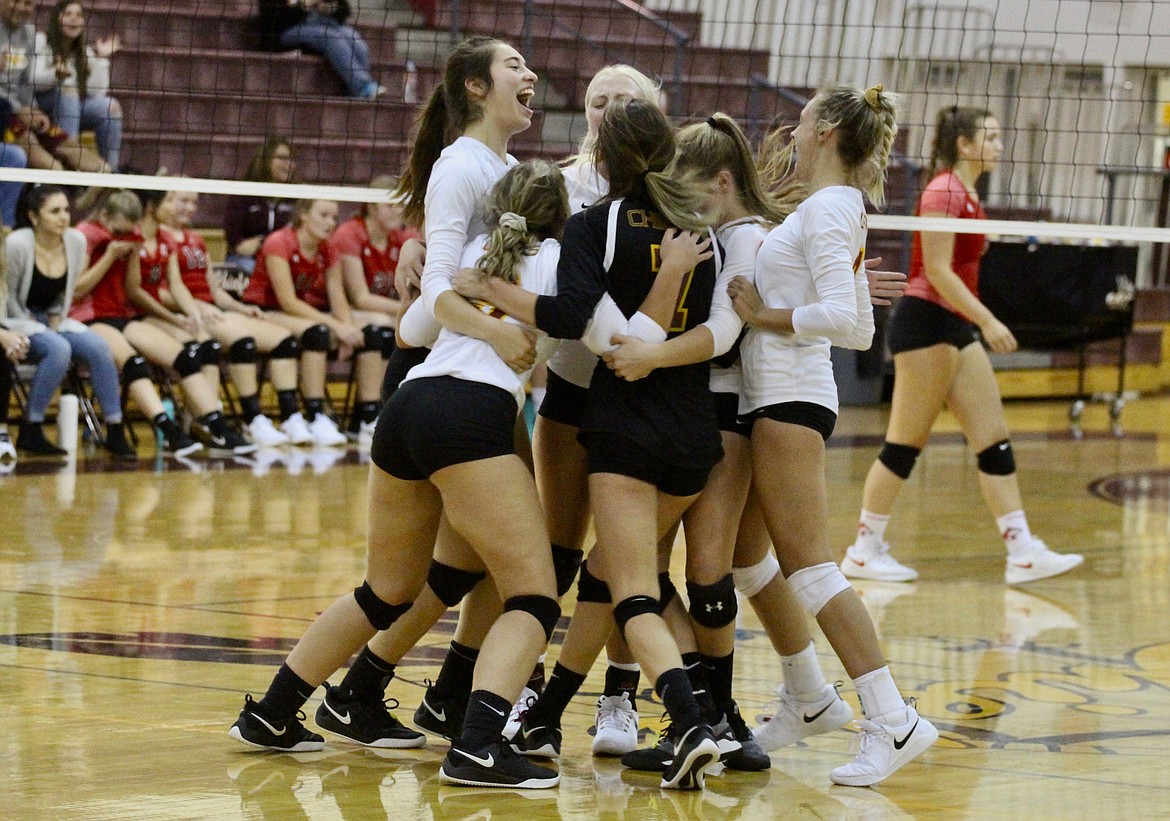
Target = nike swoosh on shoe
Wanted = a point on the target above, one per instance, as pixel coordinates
(810, 719)
(483, 762)
(271, 729)
(344, 719)
(900, 744)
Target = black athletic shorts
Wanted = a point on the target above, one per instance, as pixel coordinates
(610, 453)
(399, 365)
(919, 323)
(807, 414)
(117, 322)
(435, 422)
(563, 402)
(727, 411)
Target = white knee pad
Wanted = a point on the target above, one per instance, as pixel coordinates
(815, 586)
(751, 580)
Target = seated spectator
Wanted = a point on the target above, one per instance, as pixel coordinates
(44, 259)
(320, 26)
(248, 220)
(45, 144)
(72, 79)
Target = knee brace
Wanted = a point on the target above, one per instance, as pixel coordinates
(815, 586)
(288, 348)
(635, 606)
(387, 341)
(751, 580)
(209, 352)
(565, 564)
(135, 369)
(372, 338)
(379, 613)
(315, 338)
(666, 590)
(592, 589)
(997, 460)
(243, 351)
(542, 608)
(451, 584)
(899, 459)
(713, 605)
(188, 362)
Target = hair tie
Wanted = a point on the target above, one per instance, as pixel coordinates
(514, 221)
(645, 172)
(872, 97)
(711, 121)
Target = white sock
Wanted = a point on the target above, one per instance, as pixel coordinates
(1014, 529)
(633, 668)
(803, 677)
(871, 531)
(880, 700)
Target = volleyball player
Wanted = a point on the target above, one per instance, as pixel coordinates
(934, 335)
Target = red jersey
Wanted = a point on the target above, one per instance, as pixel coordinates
(153, 264)
(947, 195)
(353, 239)
(108, 298)
(193, 264)
(308, 274)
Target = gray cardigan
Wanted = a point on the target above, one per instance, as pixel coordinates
(21, 253)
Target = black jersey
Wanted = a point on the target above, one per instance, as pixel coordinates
(614, 247)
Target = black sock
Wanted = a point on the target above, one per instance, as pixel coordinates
(456, 673)
(287, 694)
(562, 685)
(700, 686)
(368, 676)
(287, 402)
(674, 688)
(314, 407)
(161, 421)
(619, 681)
(367, 411)
(250, 406)
(720, 670)
(536, 680)
(484, 721)
(215, 423)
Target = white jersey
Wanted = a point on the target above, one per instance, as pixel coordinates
(811, 263)
(573, 361)
(741, 240)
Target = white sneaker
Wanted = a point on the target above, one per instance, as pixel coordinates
(1039, 563)
(7, 451)
(296, 429)
(617, 726)
(264, 434)
(527, 699)
(325, 432)
(877, 565)
(365, 437)
(882, 750)
(793, 720)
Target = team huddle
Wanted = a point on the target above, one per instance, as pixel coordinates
(684, 295)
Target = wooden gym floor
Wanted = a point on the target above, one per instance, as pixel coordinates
(137, 607)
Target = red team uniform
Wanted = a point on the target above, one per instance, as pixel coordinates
(108, 298)
(193, 264)
(153, 265)
(352, 239)
(308, 274)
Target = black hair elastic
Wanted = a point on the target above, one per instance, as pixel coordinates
(711, 121)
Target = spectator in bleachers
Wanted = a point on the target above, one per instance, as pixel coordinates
(248, 220)
(320, 26)
(240, 328)
(45, 144)
(366, 247)
(11, 156)
(72, 79)
(44, 259)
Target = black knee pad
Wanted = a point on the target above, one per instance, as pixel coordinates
(135, 368)
(451, 584)
(566, 563)
(188, 362)
(243, 351)
(997, 460)
(380, 614)
(666, 589)
(592, 589)
(542, 608)
(209, 352)
(635, 606)
(372, 338)
(387, 335)
(315, 338)
(899, 459)
(713, 605)
(288, 348)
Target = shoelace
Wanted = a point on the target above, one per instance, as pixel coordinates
(612, 714)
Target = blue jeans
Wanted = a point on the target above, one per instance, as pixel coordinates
(53, 352)
(11, 156)
(101, 113)
(342, 46)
